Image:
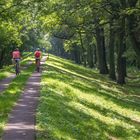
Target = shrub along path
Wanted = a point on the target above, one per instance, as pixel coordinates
(21, 123)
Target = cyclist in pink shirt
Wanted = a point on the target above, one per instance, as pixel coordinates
(16, 54)
(16, 58)
(37, 55)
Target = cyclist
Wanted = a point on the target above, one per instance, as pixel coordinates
(16, 58)
(37, 55)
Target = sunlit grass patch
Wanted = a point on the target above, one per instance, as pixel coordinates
(4, 74)
(29, 57)
(78, 103)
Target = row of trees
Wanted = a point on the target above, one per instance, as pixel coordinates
(96, 33)
(18, 28)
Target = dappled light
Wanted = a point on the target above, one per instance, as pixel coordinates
(77, 105)
(70, 67)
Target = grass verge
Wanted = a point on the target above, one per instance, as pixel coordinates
(77, 103)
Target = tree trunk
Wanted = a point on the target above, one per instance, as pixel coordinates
(111, 54)
(121, 60)
(76, 51)
(90, 50)
(84, 56)
(136, 44)
(95, 55)
(2, 58)
(101, 54)
(134, 30)
(90, 56)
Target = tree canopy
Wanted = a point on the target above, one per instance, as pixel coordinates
(96, 33)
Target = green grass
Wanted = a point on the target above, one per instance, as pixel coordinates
(9, 97)
(77, 103)
(4, 73)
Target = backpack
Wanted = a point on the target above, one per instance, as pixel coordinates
(16, 54)
(37, 54)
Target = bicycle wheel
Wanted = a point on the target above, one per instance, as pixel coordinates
(38, 65)
(17, 68)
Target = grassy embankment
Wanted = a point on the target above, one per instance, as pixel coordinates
(78, 103)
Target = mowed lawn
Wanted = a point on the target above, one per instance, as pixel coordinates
(77, 103)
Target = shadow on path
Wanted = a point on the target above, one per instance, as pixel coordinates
(22, 119)
(21, 123)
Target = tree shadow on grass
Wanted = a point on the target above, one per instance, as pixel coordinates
(118, 99)
(67, 120)
(110, 113)
(89, 78)
(132, 86)
(68, 78)
(78, 69)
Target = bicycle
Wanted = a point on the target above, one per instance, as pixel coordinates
(37, 65)
(17, 70)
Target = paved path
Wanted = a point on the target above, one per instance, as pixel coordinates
(5, 82)
(21, 124)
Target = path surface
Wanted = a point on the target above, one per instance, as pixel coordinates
(21, 124)
(5, 82)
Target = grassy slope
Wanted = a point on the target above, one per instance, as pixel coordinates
(78, 103)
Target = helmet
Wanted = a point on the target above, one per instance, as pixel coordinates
(16, 49)
(37, 49)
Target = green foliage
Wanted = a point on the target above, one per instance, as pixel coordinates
(25, 23)
(44, 43)
(18, 27)
(9, 34)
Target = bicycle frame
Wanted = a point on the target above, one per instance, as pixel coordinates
(17, 67)
(38, 65)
